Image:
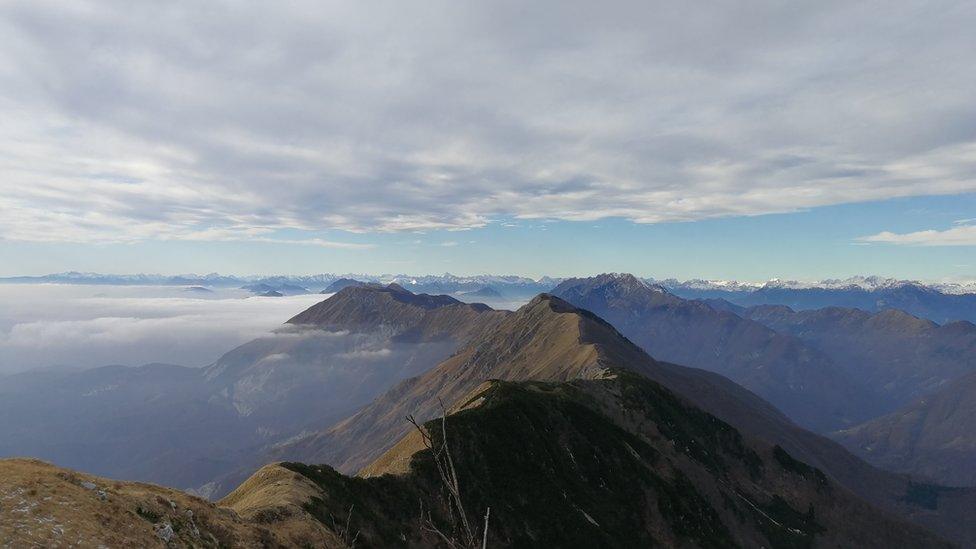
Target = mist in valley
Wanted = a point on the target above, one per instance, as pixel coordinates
(80, 326)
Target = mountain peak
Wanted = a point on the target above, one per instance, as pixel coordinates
(622, 279)
(548, 300)
(619, 288)
(371, 299)
(418, 317)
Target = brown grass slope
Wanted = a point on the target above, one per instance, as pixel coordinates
(46, 506)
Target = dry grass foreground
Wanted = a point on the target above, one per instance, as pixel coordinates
(45, 506)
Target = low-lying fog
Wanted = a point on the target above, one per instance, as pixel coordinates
(77, 326)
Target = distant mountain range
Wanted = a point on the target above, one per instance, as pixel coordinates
(866, 283)
(512, 287)
(938, 301)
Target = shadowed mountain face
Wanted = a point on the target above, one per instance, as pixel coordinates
(933, 437)
(185, 426)
(614, 460)
(796, 378)
(897, 356)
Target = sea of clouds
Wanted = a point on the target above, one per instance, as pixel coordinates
(71, 326)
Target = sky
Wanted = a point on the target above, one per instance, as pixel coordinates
(800, 140)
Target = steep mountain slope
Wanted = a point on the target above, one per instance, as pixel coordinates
(46, 506)
(550, 340)
(183, 427)
(535, 343)
(933, 437)
(794, 377)
(897, 355)
(615, 460)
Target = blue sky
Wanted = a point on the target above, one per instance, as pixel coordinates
(811, 245)
(799, 140)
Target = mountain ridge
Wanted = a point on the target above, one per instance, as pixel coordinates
(796, 378)
(608, 460)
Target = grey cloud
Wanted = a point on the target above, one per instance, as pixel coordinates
(178, 121)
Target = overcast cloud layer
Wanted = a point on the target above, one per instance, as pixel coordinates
(178, 120)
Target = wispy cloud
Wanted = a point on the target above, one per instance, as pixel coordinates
(962, 235)
(126, 122)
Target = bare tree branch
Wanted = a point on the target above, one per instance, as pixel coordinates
(463, 536)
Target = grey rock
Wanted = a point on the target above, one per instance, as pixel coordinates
(164, 531)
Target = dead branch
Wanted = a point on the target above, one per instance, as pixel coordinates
(463, 536)
(342, 532)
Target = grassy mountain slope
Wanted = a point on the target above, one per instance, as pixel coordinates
(45, 506)
(614, 460)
